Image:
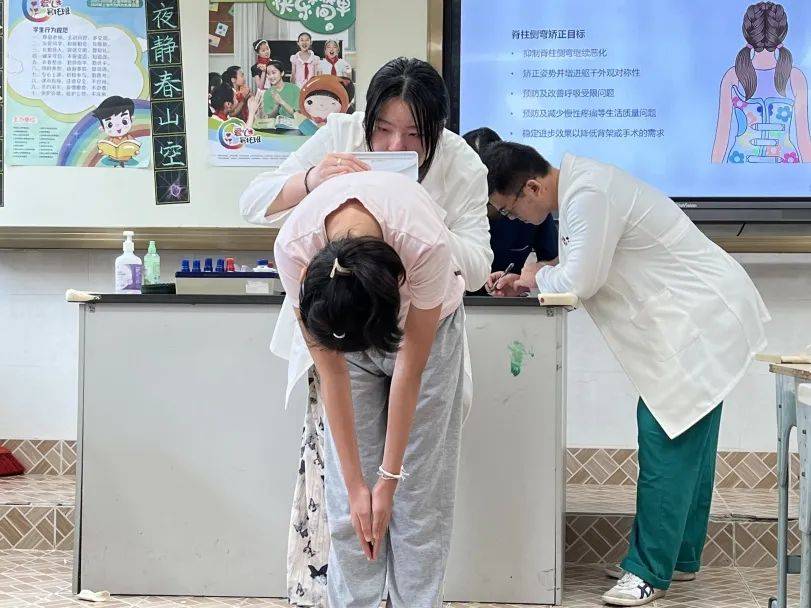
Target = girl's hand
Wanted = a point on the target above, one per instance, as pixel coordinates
(276, 96)
(337, 163)
(382, 505)
(360, 511)
(254, 103)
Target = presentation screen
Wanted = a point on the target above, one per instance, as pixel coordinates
(703, 100)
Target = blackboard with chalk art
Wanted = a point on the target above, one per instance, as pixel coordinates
(168, 108)
(291, 68)
(77, 84)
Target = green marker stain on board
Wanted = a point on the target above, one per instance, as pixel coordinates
(517, 353)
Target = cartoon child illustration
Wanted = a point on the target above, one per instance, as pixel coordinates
(259, 69)
(115, 114)
(332, 63)
(320, 97)
(763, 105)
(305, 62)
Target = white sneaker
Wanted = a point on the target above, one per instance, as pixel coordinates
(616, 571)
(631, 590)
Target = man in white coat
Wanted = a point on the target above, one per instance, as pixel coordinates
(681, 316)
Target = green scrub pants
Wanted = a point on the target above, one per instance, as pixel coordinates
(673, 497)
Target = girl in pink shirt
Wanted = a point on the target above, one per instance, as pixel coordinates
(305, 63)
(367, 265)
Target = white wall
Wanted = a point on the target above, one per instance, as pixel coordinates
(39, 333)
(38, 370)
(602, 402)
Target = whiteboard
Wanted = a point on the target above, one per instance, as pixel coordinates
(70, 197)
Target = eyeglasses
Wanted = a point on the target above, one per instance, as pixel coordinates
(508, 212)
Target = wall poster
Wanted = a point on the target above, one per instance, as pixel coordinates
(77, 85)
(291, 67)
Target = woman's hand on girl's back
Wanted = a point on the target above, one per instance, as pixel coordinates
(360, 510)
(332, 165)
(382, 505)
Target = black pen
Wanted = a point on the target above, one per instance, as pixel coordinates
(503, 274)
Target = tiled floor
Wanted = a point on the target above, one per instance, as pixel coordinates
(742, 531)
(42, 579)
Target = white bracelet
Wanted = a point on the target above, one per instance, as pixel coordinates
(384, 474)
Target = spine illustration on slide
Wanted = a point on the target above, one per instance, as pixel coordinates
(763, 104)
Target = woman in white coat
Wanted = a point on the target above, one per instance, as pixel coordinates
(407, 106)
(681, 316)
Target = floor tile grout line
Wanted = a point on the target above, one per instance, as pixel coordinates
(746, 584)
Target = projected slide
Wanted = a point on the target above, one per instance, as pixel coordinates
(701, 100)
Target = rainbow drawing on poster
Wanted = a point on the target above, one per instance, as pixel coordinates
(81, 147)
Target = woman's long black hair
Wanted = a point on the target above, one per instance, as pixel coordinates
(418, 84)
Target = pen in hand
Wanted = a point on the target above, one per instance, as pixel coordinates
(503, 274)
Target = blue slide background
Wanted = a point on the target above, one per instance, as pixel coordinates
(681, 49)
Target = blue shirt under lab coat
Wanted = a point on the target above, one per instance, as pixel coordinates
(513, 240)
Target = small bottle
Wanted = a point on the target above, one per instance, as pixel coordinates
(152, 265)
(245, 268)
(220, 265)
(209, 267)
(195, 266)
(184, 266)
(262, 266)
(128, 268)
(229, 265)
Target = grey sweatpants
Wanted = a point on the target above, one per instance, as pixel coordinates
(415, 553)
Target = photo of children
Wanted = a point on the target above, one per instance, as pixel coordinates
(333, 63)
(305, 61)
(278, 87)
(259, 69)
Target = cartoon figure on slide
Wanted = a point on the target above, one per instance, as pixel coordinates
(763, 104)
(115, 114)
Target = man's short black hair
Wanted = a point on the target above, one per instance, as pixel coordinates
(511, 165)
(112, 106)
(479, 139)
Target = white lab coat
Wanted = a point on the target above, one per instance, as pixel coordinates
(682, 317)
(457, 181)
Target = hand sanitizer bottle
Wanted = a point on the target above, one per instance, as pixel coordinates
(152, 265)
(128, 268)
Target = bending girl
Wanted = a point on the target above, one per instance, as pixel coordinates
(366, 263)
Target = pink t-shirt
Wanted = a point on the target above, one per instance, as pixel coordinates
(311, 64)
(410, 221)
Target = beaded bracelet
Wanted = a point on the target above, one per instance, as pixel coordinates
(384, 474)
